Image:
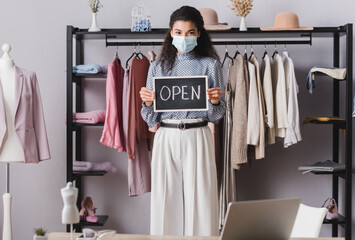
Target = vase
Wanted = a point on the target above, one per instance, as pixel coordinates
(243, 26)
(94, 27)
(35, 237)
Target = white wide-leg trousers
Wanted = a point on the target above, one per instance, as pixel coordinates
(184, 182)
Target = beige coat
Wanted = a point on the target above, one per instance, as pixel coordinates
(260, 147)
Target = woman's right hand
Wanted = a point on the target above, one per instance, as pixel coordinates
(147, 96)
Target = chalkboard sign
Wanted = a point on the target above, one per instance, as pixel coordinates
(187, 93)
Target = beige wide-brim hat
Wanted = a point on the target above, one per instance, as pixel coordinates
(286, 21)
(210, 19)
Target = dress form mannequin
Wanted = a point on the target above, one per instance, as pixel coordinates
(70, 212)
(11, 150)
(7, 72)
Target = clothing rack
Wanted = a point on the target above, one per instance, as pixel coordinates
(157, 43)
(215, 43)
(125, 37)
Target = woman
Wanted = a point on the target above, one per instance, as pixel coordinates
(184, 181)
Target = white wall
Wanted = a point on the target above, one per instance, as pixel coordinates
(36, 30)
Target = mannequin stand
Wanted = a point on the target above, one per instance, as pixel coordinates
(7, 228)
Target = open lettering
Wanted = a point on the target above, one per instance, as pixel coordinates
(180, 92)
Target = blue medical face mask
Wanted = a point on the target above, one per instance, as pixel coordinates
(185, 44)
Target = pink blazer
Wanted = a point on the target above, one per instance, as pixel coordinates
(112, 134)
(29, 119)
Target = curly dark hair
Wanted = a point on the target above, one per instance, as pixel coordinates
(204, 46)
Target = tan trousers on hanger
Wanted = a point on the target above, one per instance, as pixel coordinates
(184, 182)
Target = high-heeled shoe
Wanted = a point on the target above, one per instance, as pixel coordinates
(88, 210)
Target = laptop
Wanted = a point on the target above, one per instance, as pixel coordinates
(260, 220)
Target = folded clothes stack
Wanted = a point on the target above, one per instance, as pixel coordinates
(91, 117)
(82, 166)
(90, 68)
(326, 166)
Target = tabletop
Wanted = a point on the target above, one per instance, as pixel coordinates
(66, 236)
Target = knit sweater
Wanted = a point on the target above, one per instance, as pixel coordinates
(238, 79)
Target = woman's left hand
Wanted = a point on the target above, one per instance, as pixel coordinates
(214, 94)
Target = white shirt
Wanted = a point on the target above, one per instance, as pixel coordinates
(269, 99)
(293, 133)
(280, 98)
(253, 132)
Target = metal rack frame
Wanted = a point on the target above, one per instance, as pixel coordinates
(124, 37)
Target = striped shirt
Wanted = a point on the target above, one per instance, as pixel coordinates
(187, 64)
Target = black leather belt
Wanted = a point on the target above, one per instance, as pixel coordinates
(183, 126)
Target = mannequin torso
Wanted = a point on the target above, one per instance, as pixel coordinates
(70, 213)
(11, 150)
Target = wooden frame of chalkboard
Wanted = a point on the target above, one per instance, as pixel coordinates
(180, 93)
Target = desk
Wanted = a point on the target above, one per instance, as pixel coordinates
(66, 236)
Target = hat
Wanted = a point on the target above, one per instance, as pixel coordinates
(286, 21)
(210, 18)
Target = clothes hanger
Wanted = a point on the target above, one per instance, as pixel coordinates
(275, 52)
(133, 54)
(116, 52)
(236, 52)
(152, 54)
(285, 50)
(226, 55)
(116, 55)
(245, 53)
(265, 52)
(139, 55)
(252, 51)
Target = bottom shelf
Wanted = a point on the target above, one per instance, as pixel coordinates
(340, 220)
(101, 222)
(89, 173)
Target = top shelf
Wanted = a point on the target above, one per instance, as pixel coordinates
(157, 33)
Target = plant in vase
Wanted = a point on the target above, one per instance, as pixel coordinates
(94, 5)
(40, 234)
(242, 9)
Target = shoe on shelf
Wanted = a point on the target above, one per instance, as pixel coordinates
(88, 210)
(82, 214)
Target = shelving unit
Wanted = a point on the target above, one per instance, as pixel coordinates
(124, 37)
